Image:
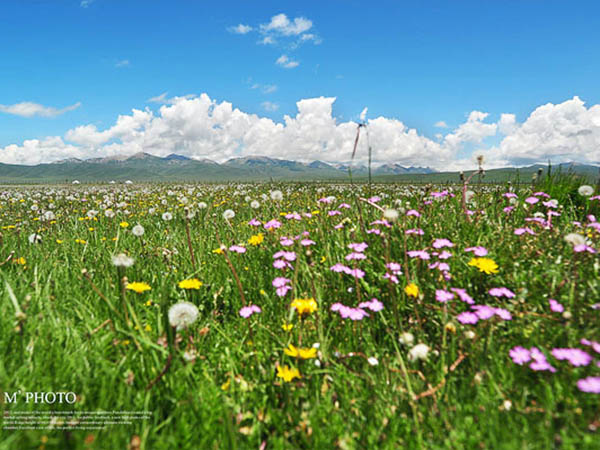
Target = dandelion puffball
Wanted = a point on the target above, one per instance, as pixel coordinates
(182, 315)
(122, 260)
(228, 214)
(138, 230)
(419, 351)
(585, 190)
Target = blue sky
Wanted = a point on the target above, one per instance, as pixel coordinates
(417, 62)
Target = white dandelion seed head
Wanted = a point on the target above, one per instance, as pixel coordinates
(109, 213)
(391, 215)
(167, 216)
(469, 334)
(182, 315)
(122, 260)
(202, 205)
(419, 351)
(49, 215)
(373, 361)
(254, 204)
(138, 230)
(585, 190)
(92, 213)
(575, 239)
(228, 214)
(276, 196)
(406, 338)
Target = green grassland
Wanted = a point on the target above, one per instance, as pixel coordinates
(68, 323)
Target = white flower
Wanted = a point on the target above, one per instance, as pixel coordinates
(507, 405)
(35, 238)
(276, 196)
(109, 213)
(75, 181)
(585, 190)
(151, 211)
(34, 207)
(202, 205)
(92, 213)
(182, 315)
(419, 351)
(469, 334)
(167, 216)
(575, 239)
(406, 338)
(317, 363)
(138, 230)
(228, 214)
(254, 204)
(373, 361)
(49, 215)
(391, 214)
(122, 260)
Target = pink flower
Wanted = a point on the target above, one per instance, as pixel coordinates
(520, 231)
(280, 282)
(355, 256)
(484, 312)
(503, 313)
(335, 212)
(467, 318)
(555, 306)
(539, 361)
(391, 277)
(520, 355)
(286, 241)
(509, 195)
(445, 255)
(294, 216)
(413, 212)
(358, 247)
(441, 243)
(344, 205)
(288, 256)
(589, 384)
(532, 200)
(254, 223)
(443, 296)
(583, 248)
(575, 356)
(501, 292)
(247, 311)
(272, 224)
(417, 231)
(307, 242)
(462, 294)
(339, 268)
(394, 267)
(237, 249)
(421, 254)
(374, 230)
(477, 251)
(374, 305)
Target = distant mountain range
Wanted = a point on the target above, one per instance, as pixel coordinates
(146, 167)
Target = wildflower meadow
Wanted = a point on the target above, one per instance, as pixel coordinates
(282, 315)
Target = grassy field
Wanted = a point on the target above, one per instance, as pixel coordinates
(316, 316)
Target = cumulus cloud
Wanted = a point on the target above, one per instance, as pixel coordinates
(30, 109)
(200, 127)
(287, 63)
(240, 29)
(282, 25)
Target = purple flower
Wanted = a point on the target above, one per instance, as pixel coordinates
(247, 311)
(394, 267)
(288, 256)
(467, 318)
(441, 243)
(520, 231)
(254, 223)
(307, 242)
(421, 254)
(445, 255)
(286, 241)
(575, 356)
(484, 312)
(272, 224)
(540, 363)
(374, 305)
(280, 282)
(355, 256)
(413, 212)
(443, 296)
(503, 313)
(357, 273)
(374, 230)
(391, 277)
(501, 292)
(555, 306)
(339, 268)
(520, 355)
(477, 251)
(294, 216)
(335, 212)
(344, 205)
(583, 248)
(509, 195)
(532, 200)
(237, 249)
(358, 247)
(589, 384)
(462, 294)
(417, 231)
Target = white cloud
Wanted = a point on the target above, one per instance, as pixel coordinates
(240, 29)
(269, 106)
(287, 63)
(30, 109)
(441, 124)
(123, 63)
(200, 127)
(282, 25)
(265, 88)
(162, 98)
(86, 3)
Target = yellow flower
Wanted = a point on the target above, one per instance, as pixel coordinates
(59, 241)
(486, 265)
(226, 385)
(218, 251)
(287, 326)
(148, 328)
(287, 373)
(412, 290)
(80, 241)
(192, 283)
(138, 287)
(257, 239)
(22, 261)
(304, 305)
(124, 224)
(304, 353)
